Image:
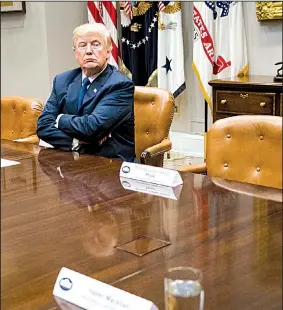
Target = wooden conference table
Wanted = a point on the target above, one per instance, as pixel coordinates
(60, 211)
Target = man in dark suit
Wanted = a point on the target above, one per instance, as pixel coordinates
(91, 108)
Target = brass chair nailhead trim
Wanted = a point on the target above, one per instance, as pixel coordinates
(258, 169)
(261, 137)
(225, 165)
(228, 136)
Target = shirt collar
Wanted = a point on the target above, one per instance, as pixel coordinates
(92, 77)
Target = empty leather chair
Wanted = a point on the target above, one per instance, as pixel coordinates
(19, 117)
(154, 110)
(246, 148)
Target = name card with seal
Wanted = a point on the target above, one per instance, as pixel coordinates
(151, 174)
(89, 293)
(152, 188)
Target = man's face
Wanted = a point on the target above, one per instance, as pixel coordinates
(91, 52)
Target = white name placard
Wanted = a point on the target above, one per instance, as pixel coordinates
(7, 163)
(89, 293)
(151, 174)
(152, 188)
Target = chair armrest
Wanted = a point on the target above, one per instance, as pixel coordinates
(157, 149)
(199, 168)
(31, 139)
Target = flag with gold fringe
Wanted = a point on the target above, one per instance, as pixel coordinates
(139, 23)
(220, 45)
(171, 75)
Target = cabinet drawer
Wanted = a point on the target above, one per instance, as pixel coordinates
(281, 103)
(222, 115)
(237, 102)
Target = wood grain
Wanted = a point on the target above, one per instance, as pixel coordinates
(245, 95)
(72, 213)
(255, 81)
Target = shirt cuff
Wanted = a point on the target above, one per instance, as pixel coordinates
(45, 144)
(75, 145)
(57, 120)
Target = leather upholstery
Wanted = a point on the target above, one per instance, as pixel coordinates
(197, 168)
(19, 118)
(246, 148)
(154, 108)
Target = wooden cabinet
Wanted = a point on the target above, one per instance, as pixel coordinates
(254, 94)
(281, 104)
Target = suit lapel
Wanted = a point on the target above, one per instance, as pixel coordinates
(96, 85)
(73, 94)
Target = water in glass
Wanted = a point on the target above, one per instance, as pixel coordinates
(184, 295)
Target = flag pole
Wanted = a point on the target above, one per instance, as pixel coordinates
(205, 115)
(205, 127)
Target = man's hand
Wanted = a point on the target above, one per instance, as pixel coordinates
(100, 142)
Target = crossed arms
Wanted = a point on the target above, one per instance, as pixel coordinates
(115, 107)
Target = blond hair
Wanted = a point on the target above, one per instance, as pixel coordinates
(97, 28)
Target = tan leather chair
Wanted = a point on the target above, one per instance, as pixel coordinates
(19, 118)
(154, 109)
(246, 148)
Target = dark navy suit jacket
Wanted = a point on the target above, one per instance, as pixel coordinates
(108, 107)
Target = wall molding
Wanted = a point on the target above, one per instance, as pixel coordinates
(197, 120)
(187, 144)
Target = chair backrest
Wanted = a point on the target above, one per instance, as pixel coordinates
(154, 108)
(19, 116)
(246, 148)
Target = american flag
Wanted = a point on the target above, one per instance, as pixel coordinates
(128, 9)
(100, 9)
(161, 6)
(104, 12)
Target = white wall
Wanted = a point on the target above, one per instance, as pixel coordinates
(264, 42)
(24, 63)
(61, 19)
(37, 45)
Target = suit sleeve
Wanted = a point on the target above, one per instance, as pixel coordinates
(46, 129)
(113, 109)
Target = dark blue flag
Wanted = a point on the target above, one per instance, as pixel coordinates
(139, 21)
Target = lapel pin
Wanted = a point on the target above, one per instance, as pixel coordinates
(95, 90)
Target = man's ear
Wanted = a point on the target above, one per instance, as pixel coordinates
(108, 55)
(74, 51)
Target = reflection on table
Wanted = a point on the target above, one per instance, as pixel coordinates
(74, 212)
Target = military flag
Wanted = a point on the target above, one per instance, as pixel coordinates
(220, 45)
(139, 23)
(171, 75)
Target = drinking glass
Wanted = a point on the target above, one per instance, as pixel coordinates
(183, 289)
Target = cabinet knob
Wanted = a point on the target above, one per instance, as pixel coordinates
(244, 96)
(223, 101)
(262, 104)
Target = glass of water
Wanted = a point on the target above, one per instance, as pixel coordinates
(183, 289)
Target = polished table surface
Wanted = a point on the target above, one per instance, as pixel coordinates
(15, 151)
(59, 210)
